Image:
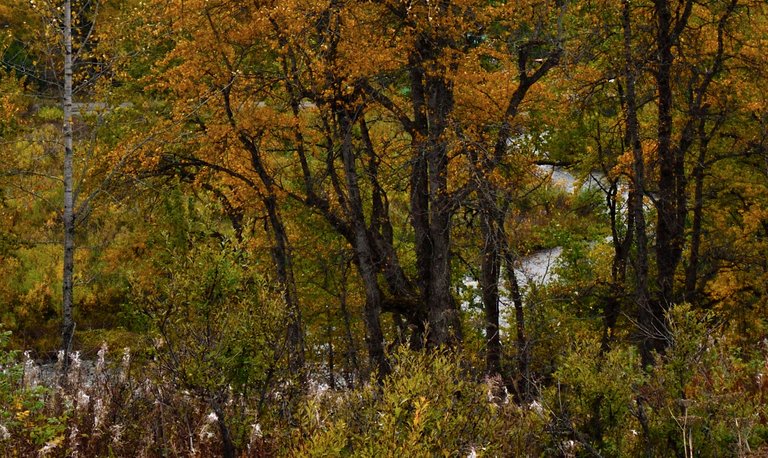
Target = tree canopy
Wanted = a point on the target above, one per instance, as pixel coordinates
(264, 198)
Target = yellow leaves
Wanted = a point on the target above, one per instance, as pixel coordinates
(22, 415)
(754, 218)
(725, 285)
(421, 406)
(38, 299)
(625, 162)
(11, 99)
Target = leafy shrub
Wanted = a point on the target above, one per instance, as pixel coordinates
(593, 399)
(427, 406)
(702, 397)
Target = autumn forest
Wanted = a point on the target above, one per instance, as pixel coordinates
(383, 228)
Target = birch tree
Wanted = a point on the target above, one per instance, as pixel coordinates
(56, 58)
(68, 216)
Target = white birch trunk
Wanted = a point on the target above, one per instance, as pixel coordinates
(68, 324)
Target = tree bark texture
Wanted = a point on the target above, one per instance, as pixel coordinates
(365, 256)
(490, 269)
(68, 323)
(431, 206)
(523, 346)
(671, 207)
(642, 300)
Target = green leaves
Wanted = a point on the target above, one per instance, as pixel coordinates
(427, 406)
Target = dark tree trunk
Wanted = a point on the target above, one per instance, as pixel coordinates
(445, 326)
(637, 211)
(282, 259)
(431, 207)
(622, 242)
(444, 322)
(419, 192)
(353, 370)
(699, 112)
(672, 196)
(667, 224)
(403, 304)
(621, 249)
(692, 270)
(281, 251)
(235, 215)
(227, 445)
(363, 250)
(494, 206)
(331, 355)
(523, 347)
(490, 270)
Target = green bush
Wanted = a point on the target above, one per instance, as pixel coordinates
(427, 406)
(703, 398)
(700, 398)
(593, 398)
